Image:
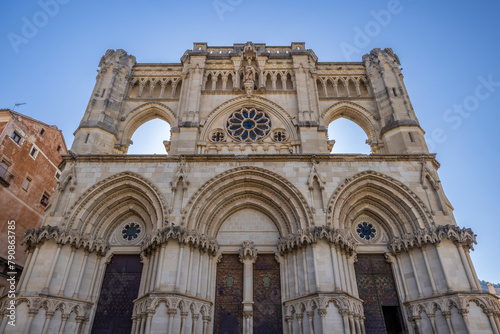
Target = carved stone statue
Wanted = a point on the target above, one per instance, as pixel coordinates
(249, 72)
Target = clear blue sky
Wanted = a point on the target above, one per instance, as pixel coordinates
(445, 49)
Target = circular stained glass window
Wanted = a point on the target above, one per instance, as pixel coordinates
(366, 231)
(248, 124)
(131, 231)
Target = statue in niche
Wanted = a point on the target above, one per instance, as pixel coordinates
(249, 72)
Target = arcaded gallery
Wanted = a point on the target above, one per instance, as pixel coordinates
(248, 223)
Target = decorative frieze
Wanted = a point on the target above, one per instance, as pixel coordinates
(312, 235)
(183, 236)
(76, 239)
(419, 238)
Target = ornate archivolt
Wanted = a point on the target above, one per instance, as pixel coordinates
(377, 190)
(243, 186)
(102, 204)
(137, 117)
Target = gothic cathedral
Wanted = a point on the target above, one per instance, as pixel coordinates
(249, 224)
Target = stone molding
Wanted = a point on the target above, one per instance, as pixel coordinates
(345, 304)
(420, 238)
(461, 301)
(120, 158)
(51, 304)
(149, 303)
(74, 238)
(184, 236)
(314, 234)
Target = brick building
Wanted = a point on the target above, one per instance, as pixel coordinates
(30, 152)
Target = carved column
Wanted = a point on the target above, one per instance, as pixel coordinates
(466, 265)
(66, 271)
(447, 316)
(306, 272)
(62, 326)
(335, 87)
(441, 263)
(179, 268)
(289, 322)
(195, 318)
(465, 314)
(206, 319)
(149, 319)
(429, 271)
(200, 263)
(296, 272)
(30, 268)
(432, 318)
(160, 268)
(248, 256)
(48, 317)
(310, 318)
(51, 270)
(399, 264)
(351, 323)
(493, 325)
(163, 85)
(94, 275)
(171, 313)
(345, 320)
(335, 267)
(322, 313)
(418, 327)
(76, 293)
(79, 321)
(190, 268)
(415, 274)
(285, 276)
(299, 320)
(183, 321)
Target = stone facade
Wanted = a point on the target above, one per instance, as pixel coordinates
(249, 174)
(30, 152)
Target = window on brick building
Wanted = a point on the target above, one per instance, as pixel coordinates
(34, 152)
(58, 175)
(58, 148)
(42, 132)
(16, 137)
(45, 199)
(27, 183)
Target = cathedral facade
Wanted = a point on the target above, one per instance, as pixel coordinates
(249, 224)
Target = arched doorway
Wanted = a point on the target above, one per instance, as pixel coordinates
(248, 288)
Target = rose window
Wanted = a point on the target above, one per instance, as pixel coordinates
(131, 231)
(366, 231)
(248, 124)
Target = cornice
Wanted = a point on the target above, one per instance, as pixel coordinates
(121, 158)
